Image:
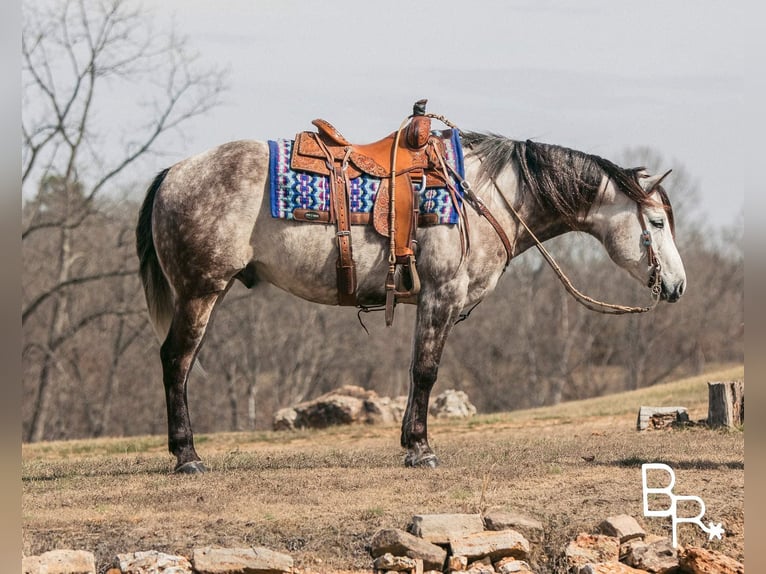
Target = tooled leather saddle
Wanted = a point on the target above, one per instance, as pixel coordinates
(406, 161)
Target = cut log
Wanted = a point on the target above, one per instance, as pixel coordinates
(660, 417)
(726, 403)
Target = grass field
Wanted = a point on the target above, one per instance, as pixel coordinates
(320, 495)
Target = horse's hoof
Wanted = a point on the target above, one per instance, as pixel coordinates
(423, 461)
(193, 467)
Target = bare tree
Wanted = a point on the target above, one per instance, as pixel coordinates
(76, 56)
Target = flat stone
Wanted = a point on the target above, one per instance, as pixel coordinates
(608, 568)
(440, 528)
(394, 563)
(512, 566)
(655, 555)
(400, 543)
(623, 527)
(701, 561)
(501, 520)
(591, 549)
(60, 562)
(153, 562)
(240, 561)
(480, 568)
(495, 544)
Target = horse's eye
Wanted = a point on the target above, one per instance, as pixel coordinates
(658, 223)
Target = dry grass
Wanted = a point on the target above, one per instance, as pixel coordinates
(320, 495)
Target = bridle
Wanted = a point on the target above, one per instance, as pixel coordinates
(655, 283)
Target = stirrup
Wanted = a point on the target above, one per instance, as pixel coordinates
(408, 284)
(408, 278)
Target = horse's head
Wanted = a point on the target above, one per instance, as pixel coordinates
(638, 232)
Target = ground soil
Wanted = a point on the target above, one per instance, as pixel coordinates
(321, 495)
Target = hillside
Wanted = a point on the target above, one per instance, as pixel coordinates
(320, 495)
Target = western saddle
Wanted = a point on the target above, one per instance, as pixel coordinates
(406, 161)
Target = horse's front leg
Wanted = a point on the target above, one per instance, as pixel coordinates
(436, 314)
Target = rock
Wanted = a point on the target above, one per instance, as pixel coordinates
(452, 404)
(400, 543)
(623, 527)
(378, 411)
(500, 520)
(654, 554)
(284, 419)
(349, 404)
(591, 549)
(660, 417)
(30, 565)
(495, 544)
(483, 566)
(60, 562)
(697, 560)
(608, 568)
(152, 562)
(511, 566)
(457, 563)
(329, 410)
(240, 561)
(394, 563)
(440, 528)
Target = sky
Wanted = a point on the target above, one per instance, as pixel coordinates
(592, 75)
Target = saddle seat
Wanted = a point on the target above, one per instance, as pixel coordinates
(373, 158)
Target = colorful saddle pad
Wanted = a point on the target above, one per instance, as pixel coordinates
(291, 190)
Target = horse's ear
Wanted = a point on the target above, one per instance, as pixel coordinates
(649, 182)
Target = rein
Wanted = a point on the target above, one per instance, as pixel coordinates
(588, 302)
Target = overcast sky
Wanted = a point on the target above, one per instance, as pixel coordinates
(592, 75)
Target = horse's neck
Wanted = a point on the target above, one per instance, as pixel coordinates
(503, 196)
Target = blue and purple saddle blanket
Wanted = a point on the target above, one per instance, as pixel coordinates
(292, 190)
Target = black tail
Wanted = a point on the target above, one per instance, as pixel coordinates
(159, 295)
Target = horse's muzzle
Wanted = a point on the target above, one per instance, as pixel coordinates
(673, 293)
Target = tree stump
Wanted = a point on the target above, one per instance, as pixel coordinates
(726, 403)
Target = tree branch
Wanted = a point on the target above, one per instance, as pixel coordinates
(40, 299)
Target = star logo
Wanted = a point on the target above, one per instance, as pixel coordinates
(715, 531)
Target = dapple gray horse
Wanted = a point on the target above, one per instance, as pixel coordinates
(206, 222)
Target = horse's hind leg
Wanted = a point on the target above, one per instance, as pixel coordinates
(178, 354)
(436, 314)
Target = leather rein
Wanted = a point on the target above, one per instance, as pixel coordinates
(590, 303)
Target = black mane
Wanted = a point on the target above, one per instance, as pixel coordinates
(560, 179)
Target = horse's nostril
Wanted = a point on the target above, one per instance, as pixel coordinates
(681, 288)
